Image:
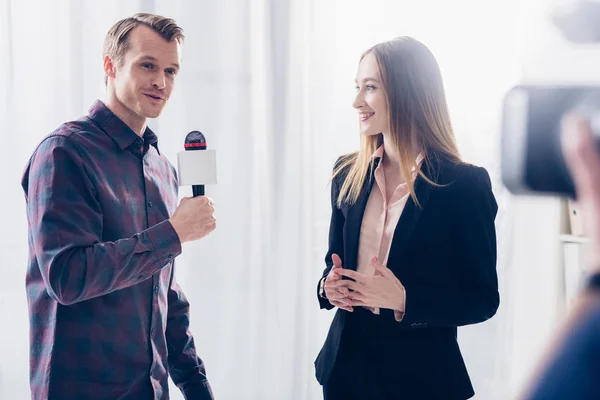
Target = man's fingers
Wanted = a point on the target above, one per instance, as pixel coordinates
(581, 155)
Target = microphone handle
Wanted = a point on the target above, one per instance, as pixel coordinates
(198, 190)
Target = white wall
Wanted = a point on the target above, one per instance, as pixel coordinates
(479, 45)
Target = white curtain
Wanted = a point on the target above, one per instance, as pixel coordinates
(270, 83)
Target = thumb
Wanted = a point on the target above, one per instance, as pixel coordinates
(581, 156)
(380, 269)
(337, 261)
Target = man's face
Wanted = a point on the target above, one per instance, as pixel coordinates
(144, 78)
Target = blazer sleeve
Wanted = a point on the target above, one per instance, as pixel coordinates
(473, 297)
(336, 240)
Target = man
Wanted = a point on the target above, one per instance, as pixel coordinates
(108, 320)
(571, 368)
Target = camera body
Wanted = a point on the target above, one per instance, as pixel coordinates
(532, 160)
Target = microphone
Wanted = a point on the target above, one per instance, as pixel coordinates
(196, 168)
(195, 140)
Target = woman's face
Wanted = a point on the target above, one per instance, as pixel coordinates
(371, 100)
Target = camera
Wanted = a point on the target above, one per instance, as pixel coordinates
(532, 161)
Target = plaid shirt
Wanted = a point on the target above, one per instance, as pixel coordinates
(108, 320)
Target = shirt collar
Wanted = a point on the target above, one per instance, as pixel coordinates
(118, 130)
(378, 153)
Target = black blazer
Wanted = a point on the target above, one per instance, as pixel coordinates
(444, 253)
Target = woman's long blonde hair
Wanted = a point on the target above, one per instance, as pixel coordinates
(418, 115)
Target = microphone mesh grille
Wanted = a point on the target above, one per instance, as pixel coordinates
(195, 137)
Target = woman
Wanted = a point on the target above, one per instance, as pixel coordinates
(412, 243)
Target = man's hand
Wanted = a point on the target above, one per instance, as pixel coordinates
(382, 290)
(194, 218)
(582, 159)
(337, 294)
(571, 348)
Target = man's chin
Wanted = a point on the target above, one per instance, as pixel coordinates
(152, 113)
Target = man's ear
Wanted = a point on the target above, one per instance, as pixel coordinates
(109, 66)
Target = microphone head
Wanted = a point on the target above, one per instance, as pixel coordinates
(195, 140)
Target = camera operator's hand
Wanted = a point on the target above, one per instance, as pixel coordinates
(582, 159)
(193, 219)
(567, 370)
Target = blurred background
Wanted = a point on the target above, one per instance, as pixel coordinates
(270, 83)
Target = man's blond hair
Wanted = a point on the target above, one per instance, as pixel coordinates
(116, 42)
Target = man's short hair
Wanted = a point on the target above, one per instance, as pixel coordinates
(116, 41)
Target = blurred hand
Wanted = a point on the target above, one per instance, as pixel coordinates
(335, 292)
(194, 219)
(572, 347)
(582, 159)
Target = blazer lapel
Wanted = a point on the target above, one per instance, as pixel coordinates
(354, 218)
(409, 218)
